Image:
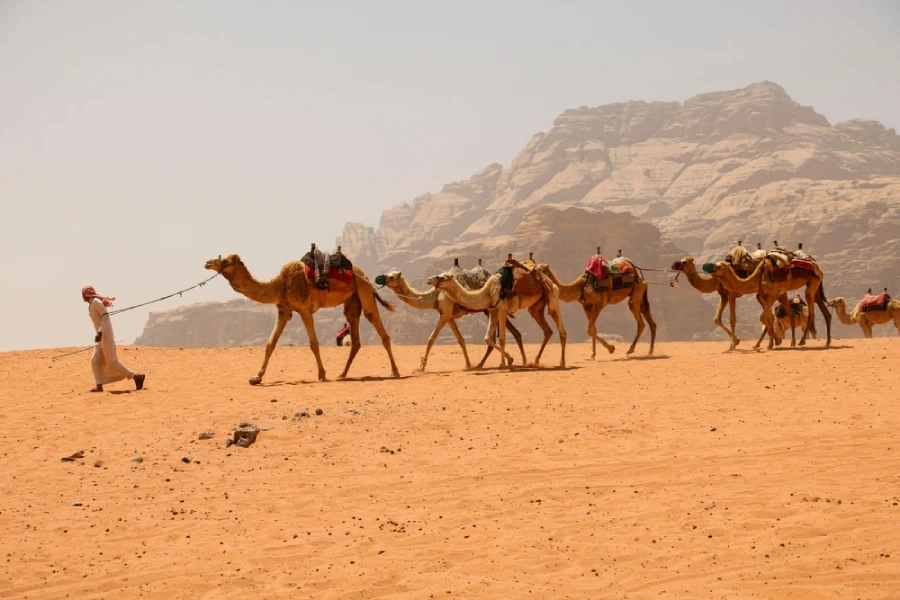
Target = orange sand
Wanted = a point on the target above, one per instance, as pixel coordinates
(703, 474)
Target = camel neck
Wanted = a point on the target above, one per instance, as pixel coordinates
(704, 285)
(420, 300)
(264, 292)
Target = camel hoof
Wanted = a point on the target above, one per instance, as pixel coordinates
(630, 351)
(611, 349)
(802, 342)
(396, 375)
(255, 380)
(422, 369)
(777, 342)
(592, 357)
(736, 342)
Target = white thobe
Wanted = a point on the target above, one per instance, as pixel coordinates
(104, 362)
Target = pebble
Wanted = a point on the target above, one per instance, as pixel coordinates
(137, 459)
(98, 463)
(206, 435)
(319, 412)
(185, 459)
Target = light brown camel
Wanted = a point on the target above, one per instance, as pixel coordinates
(783, 275)
(448, 312)
(782, 324)
(708, 285)
(767, 291)
(592, 301)
(866, 320)
(499, 308)
(291, 290)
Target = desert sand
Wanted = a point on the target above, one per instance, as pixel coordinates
(698, 474)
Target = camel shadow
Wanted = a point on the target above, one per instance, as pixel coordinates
(522, 369)
(810, 348)
(374, 378)
(644, 357)
(315, 381)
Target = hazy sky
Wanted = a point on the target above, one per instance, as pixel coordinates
(139, 139)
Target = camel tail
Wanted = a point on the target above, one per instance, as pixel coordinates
(822, 291)
(645, 301)
(390, 306)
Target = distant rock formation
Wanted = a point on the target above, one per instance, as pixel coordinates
(748, 164)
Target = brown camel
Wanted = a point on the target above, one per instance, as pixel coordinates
(786, 275)
(291, 290)
(593, 302)
(500, 308)
(766, 288)
(782, 324)
(709, 285)
(448, 312)
(866, 320)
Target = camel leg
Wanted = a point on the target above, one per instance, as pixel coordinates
(489, 338)
(785, 301)
(515, 333)
(645, 311)
(310, 326)
(352, 312)
(634, 305)
(462, 343)
(896, 316)
(587, 314)
(500, 325)
(823, 306)
(717, 318)
(370, 310)
(732, 309)
(867, 328)
(810, 307)
(284, 315)
(537, 313)
(556, 315)
(592, 328)
(443, 319)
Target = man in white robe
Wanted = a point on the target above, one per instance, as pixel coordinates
(104, 362)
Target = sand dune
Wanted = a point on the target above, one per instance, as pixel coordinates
(702, 474)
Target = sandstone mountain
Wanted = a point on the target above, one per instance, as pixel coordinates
(748, 164)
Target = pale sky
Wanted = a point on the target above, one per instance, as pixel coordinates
(139, 139)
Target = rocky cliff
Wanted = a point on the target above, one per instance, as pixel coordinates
(748, 164)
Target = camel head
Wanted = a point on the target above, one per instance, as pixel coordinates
(717, 268)
(391, 279)
(220, 264)
(543, 267)
(441, 281)
(685, 265)
(837, 302)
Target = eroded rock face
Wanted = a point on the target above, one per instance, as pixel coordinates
(748, 164)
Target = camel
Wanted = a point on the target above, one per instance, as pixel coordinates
(767, 291)
(707, 286)
(291, 290)
(499, 308)
(448, 312)
(866, 320)
(593, 302)
(782, 275)
(782, 324)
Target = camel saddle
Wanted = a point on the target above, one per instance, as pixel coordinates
(872, 302)
(610, 276)
(518, 278)
(345, 276)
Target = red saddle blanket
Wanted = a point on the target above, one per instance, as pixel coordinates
(597, 266)
(879, 302)
(346, 276)
(803, 264)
